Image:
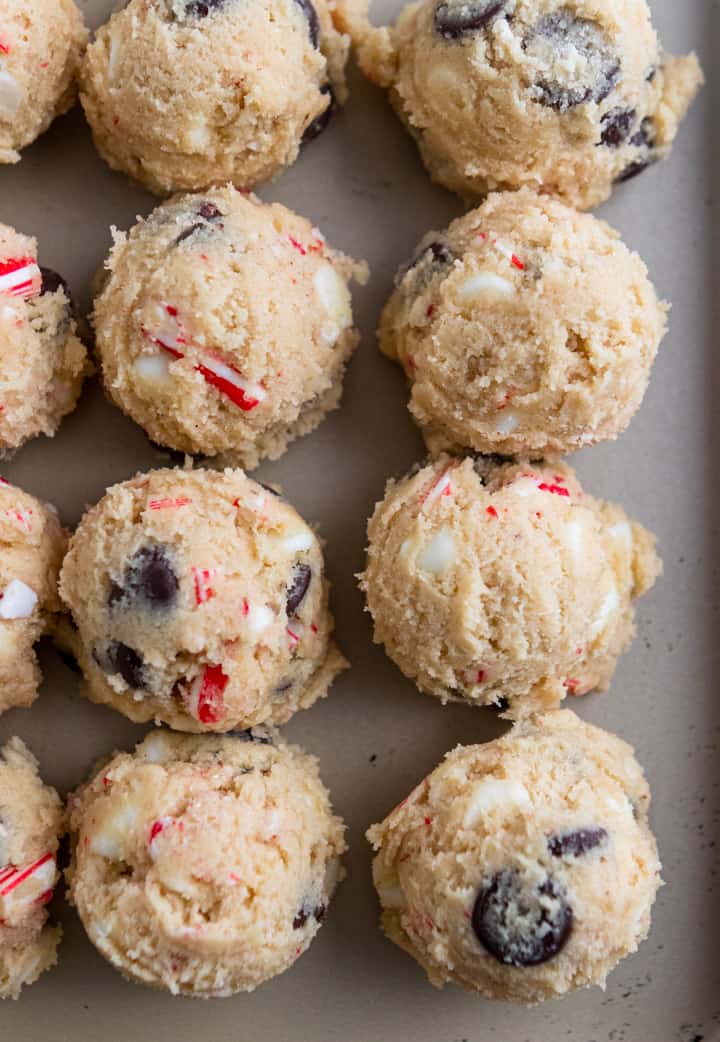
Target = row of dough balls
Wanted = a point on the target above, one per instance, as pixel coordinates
(223, 327)
(565, 96)
(521, 869)
(197, 598)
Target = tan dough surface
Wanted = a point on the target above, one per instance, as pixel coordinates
(31, 822)
(32, 545)
(524, 868)
(41, 44)
(182, 94)
(220, 287)
(199, 601)
(504, 585)
(564, 97)
(43, 361)
(525, 328)
(204, 865)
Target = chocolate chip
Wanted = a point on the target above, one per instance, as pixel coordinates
(300, 919)
(435, 256)
(616, 126)
(302, 574)
(457, 18)
(149, 581)
(209, 212)
(645, 134)
(519, 922)
(253, 734)
(561, 39)
(316, 127)
(52, 282)
(202, 8)
(119, 658)
(576, 843)
(318, 914)
(310, 13)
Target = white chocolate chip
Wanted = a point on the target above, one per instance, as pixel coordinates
(333, 294)
(153, 369)
(198, 136)
(609, 606)
(11, 95)
(298, 541)
(524, 486)
(485, 283)
(622, 532)
(114, 53)
(259, 617)
(114, 831)
(18, 601)
(507, 423)
(438, 553)
(494, 794)
(155, 749)
(574, 538)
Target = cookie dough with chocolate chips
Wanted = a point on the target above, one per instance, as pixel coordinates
(567, 97)
(32, 544)
(43, 361)
(41, 44)
(522, 869)
(225, 325)
(525, 328)
(200, 602)
(204, 865)
(504, 585)
(31, 822)
(182, 94)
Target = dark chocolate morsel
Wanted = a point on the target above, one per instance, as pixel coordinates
(149, 580)
(308, 9)
(577, 842)
(455, 19)
(252, 734)
(119, 658)
(317, 913)
(565, 32)
(616, 126)
(316, 127)
(209, 211)
(519, 922)
(302, 574)
(52, 282)
(202, 8)
(644, 137)
(633, 170)
(437, 254)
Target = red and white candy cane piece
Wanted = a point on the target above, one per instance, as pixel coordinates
(169, 504)
(440, 486)
(21, 517)
(170, 336)
(204, 698)
(35, 879)
(204, 577)
(20, 277)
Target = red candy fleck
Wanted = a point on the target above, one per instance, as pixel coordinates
(297, 246)
(557, 490)
(516, 263)
(210, 705)
(169, 504)
(573, 686)
(156, 829)
(491, 511)
(481, 676)
(313, 627)
(4, 46)
(428, 821)
(430, 311)
(44, 897)
(203, 578)
(294, 638)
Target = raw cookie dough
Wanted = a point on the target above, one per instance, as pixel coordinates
(204, 865)
(525, 328)
(182, 94)
(32, 545)
(41, 44)
(31, 822)
(565, 97)
(199, 601)
(504, 585)
(225, 325)
(42, 361)
(524, 868)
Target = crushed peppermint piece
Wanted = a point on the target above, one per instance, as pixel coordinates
(440, 486)
(556, 490)
(491, 511)
(12, 877)
(156, 829)
(169, 504)
(17, 601)
(20, 277)
(204, 577)
(204, 697)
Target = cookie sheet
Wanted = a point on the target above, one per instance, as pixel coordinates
(363, 185)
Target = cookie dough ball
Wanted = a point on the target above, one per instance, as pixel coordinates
(565, 97)
(32, 545)
(31, 822)
(41, 44)
(182, 94)
(525, 328)
(204, 865)
(524, 868)
(43, 361)
(200, 602)
(504, 586)
(225, 325)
